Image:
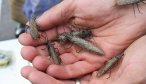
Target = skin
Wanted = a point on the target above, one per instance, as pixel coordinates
(129, 70)
(114, 28)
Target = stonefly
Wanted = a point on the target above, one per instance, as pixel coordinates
(54, 55)
(33, 28)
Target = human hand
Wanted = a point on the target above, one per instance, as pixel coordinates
(129, 70)
(114, 29)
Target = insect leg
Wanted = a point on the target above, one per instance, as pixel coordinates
(110, 72)
(94, 40)
(44, 37)
(138, 8)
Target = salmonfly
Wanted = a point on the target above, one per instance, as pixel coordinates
(54, 55)
(33, 28)
(84, 44)
(109, 65)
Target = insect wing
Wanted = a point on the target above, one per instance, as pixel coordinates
(33, 30)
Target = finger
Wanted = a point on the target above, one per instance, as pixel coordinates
(56, 15)
(29, 53)
(42, 62)
(72, 70)
(86, 63)
(25, 71)
(134, 59)
(37, 77)
(27, 40)
(87, 77)
(65, 60)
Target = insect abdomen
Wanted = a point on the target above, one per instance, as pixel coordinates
(54, 55)
(85, 44)
(33, 30)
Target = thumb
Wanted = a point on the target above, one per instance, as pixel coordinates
(59, 14)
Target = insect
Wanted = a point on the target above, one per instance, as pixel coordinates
(54, 55)
(127, 2)
(84, 44)
(33, 28)
(76, 37)
(82, 34)
(109, 64)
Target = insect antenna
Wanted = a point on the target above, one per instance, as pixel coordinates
(131, 2)
(110, 72)
(138, 8)
(46, 39)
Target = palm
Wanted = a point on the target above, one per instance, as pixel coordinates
(113, 28)
(129, 70)
(132, 66)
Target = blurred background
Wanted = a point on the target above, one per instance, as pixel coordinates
(15, 13)
(11, 61)
(7, 25)
(13, 16)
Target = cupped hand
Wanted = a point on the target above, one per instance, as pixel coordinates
(114, 28)
(129, 70)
